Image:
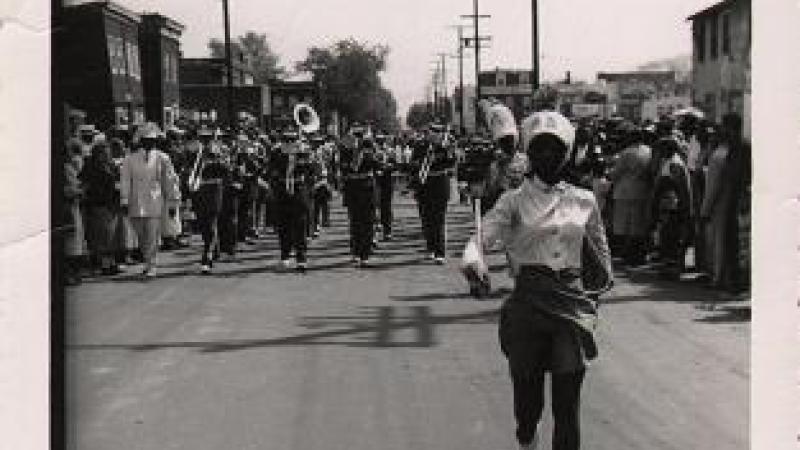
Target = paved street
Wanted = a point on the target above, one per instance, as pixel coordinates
(396, 357)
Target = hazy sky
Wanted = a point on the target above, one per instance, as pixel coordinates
(584, 36)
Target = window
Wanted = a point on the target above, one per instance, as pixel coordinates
(487, 79)
(116, 55)
(726, 34)
(714, 45)
(121, 115)
(134, 70)
(512, 79)
(700, 40)
(167, 68)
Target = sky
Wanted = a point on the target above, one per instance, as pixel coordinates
(582, 36)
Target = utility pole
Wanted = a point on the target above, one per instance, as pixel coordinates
(477, 38)
(535, 42)
(228, 65)
(444, 108)
(460, 56)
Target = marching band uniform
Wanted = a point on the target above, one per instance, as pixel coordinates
(291, 183)
(358, 166)
(213, 175)
(433, 195)
(385, 183)
(229, 213)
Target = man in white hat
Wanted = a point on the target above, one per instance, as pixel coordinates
(148, 183)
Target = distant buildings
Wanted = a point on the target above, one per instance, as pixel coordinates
(721, 59)
(631, 90)
(512, 87)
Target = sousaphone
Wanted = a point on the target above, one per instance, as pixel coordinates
(306, 118)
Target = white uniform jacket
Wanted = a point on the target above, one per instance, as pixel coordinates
(148, 186)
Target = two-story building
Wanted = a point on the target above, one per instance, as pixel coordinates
(159, 38)
(204, 90)
(99, 59)
(721, 60)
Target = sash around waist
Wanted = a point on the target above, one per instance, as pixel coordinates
(559, 293)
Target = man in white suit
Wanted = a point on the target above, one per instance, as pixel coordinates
(148, 187)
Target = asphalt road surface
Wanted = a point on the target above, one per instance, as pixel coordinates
(396, 357)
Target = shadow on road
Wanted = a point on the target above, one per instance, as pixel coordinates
(374, 327)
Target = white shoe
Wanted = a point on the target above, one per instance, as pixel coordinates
(439, 260)
(301, 267)
(150, 273)
(205, 268)
(285, 264)
(431, 256)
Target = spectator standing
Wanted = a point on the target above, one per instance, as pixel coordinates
(632, 192)
(147, 182)
(100, 206)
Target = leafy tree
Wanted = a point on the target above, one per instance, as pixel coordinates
(264, 61)
(419, 115)
(349, 74)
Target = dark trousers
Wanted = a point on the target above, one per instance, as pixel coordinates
(292, 216)
(361, 208)
(322, 211)
(386, 187)
(672, 240)
(434, 210)
(228, 223)
(244, 223)
(529, 402)
(209, 230)
(433, 198)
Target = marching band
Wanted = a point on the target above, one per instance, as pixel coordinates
(228, 186)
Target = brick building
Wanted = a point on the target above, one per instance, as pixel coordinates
(99, 61)
(160, 47)
(203, 90)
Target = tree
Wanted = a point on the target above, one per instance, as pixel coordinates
(264, 61)
(419, 115)
(349, 74)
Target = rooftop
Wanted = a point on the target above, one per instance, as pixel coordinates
(713, 9)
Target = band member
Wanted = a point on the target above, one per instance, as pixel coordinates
(147, 182)
(385, 181)
(358, 166)
(554, 236)
(322, 185)
(509, 165)
(207, 181)
(435, 162)
(291, 183)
